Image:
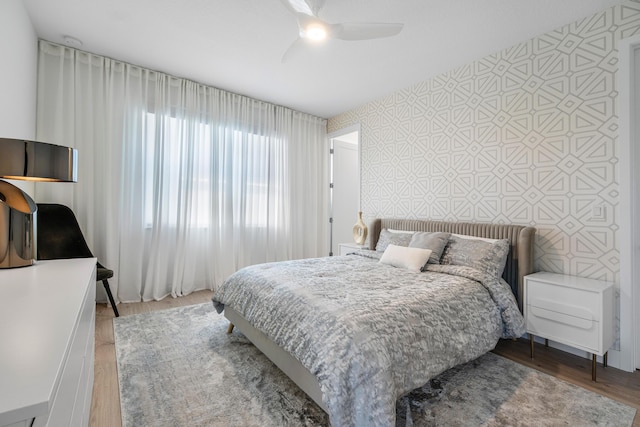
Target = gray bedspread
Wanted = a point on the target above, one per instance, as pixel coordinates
(371, 332)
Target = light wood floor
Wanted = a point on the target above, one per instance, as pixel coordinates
(105, 405)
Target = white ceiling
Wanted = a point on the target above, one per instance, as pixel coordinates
(237, 45)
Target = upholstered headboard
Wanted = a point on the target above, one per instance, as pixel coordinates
(520, 258)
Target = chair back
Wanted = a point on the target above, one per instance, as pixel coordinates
(59, 234)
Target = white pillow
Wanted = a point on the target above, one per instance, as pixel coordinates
(404, 257)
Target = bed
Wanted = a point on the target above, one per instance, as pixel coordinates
(356, 332)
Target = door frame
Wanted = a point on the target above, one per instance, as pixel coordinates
(334, 135)
(629, 242)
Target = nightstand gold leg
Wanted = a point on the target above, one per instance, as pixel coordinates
(604, 359)
(230, 328)
(531, 344)
(593, 368)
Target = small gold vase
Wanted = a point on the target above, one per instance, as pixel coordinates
(360, 231)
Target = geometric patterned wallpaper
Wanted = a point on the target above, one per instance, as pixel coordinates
(527, 135)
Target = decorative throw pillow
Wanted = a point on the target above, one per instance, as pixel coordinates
(477, 253)
(404, 257)
(435, 241)
(392, 238)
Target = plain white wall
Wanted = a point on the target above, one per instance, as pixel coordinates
(18, 75)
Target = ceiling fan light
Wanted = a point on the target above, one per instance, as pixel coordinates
(315, 32)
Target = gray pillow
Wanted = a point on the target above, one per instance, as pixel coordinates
(435, 241)
(390, 238)
(488, 257)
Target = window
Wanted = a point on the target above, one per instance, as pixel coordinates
(200, 172)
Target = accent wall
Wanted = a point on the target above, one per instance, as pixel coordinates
(527, 135)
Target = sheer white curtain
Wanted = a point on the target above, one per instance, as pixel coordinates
(180, 184)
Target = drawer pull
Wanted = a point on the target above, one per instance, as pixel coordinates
(566, 309)
(576, 322)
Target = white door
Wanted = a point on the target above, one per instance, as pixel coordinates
(629, 180)
(346, 189)
(635, 217)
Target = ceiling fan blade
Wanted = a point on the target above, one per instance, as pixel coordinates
(294, 50)
(315, 6)
(298, 6)
(364, 31)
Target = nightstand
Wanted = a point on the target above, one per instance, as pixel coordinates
(571, 310)
(346, 248)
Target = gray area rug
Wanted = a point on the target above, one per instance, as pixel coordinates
(178, 367)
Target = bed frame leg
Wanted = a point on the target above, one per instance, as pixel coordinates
(230, 328)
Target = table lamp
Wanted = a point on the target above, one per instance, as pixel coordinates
(30, 161)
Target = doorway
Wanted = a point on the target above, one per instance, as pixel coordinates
(344, 172)
(629, 179)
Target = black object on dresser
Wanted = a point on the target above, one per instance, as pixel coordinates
(60, 237)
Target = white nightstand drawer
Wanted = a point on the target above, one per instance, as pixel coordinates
(570, 301)
(574, 331)
(581, 322)
(567, 309)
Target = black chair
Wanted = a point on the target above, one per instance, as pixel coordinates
(60, 237)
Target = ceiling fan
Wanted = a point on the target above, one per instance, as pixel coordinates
(312, 29)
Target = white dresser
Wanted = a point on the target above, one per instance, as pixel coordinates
(571, 310)
(47, 329)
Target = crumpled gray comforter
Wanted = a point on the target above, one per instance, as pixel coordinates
(371, 332)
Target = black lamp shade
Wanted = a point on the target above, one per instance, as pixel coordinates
(37, 161)
(33, 161)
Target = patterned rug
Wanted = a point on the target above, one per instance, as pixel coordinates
(178, 367)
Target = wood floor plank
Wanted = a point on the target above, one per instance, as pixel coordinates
(105, 402)
(105, 405)
(611, 382)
